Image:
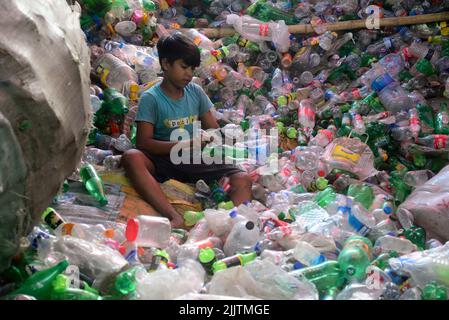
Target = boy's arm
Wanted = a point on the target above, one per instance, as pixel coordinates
(145, 141)
(208, 121)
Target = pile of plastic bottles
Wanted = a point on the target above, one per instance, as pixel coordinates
(362, 121)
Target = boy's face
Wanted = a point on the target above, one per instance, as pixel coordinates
(178, 72)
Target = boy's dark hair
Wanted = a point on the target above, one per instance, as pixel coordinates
(178, 46)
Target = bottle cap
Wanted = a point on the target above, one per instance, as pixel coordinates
(109, 233)
(132, 229)
(298, 265)
(250, 225)
(233, 213)
(206, 255)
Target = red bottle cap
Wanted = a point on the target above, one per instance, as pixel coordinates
(132, 229)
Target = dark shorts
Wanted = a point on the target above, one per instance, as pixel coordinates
(190, 173)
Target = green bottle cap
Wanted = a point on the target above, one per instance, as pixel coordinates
(125, 282)
(292, 133)
(60, 283)
(162, 253)
(425, 67)
(321, 183)
(206, 255)
(244, 124)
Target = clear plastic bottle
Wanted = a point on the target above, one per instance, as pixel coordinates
(424, 266)
(95, 233)
(394, 98)
(306, 114)
(417, 177)
(258, 31)
(221, 221)
(95, 155)
(149, 231)
(95, 103)
(359, 220)
(435, 141)
(199, 232)
(113, 71)
(385, 45)
(389, 243)
(125, 28)
(307, 254)
(112, 163)
(243, 236)
(200, 39)
(122, 143)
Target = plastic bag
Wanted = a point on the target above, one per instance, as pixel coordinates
(428, 207)
(351, 155)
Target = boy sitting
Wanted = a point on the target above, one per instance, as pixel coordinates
(174, 104)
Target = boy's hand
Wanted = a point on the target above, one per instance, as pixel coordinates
(205, 139)
(177, 222)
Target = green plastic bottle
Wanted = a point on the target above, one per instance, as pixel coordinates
(442, 120)
(149, 5)
(207, 258)
(325, 197)
(417, 235)
(236, 260)
(62, 291)
(98, 7)
(264, 11)
(93, 183)
(433, 291)
(426, 116)
(361, 193)
(418, 158)
(327, 276)
(124, 285)
(39, 285)
(400, 189)
(425, 67)
(382, 260)
(115, 102)
(355, 258)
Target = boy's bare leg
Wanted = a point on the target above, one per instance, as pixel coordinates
(240, 191)
(140, 170)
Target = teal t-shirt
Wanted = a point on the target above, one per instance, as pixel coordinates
(167, 114)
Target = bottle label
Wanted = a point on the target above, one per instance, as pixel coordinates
(358, 226)
(53, 219)
(263, 30)
(356, 94)
(429, 54)
(328, 134)
(233, 261)
(103, 73)
(344, 154)
(439, 141)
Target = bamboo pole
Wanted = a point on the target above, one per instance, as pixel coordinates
(343, 25)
